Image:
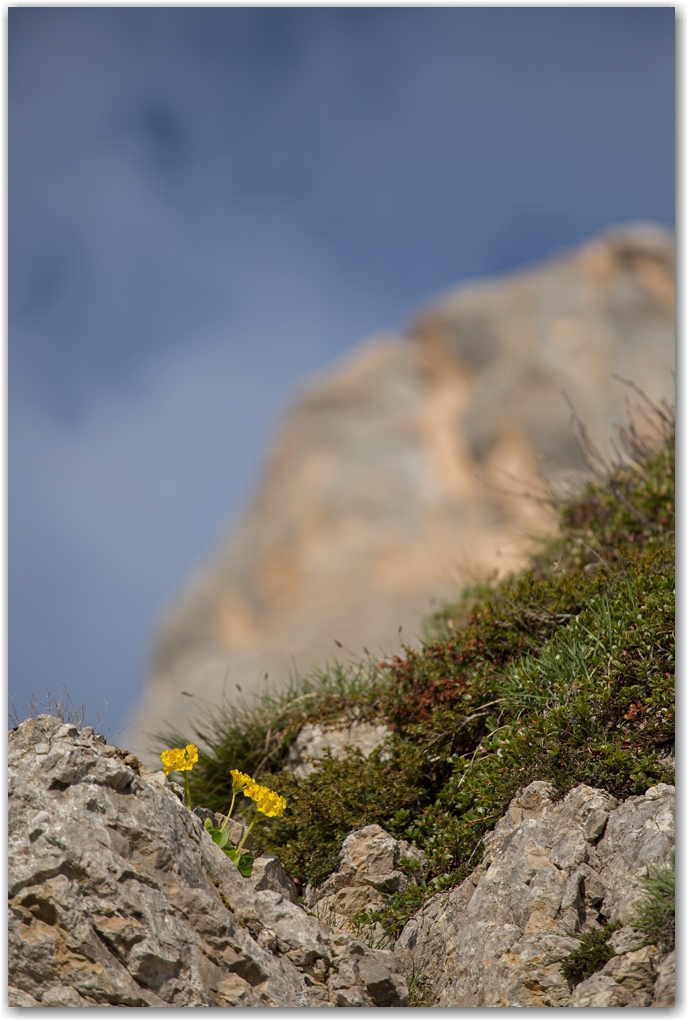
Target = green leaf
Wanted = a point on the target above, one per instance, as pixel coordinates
(245, 866)
(244, 862)
(218, 837)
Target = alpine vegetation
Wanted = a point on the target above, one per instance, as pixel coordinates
(562, 673)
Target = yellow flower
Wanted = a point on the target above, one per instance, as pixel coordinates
(179, 759)
(240, 780)
(266, 801)
(270, 803)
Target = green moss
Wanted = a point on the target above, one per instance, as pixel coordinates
(564, 673)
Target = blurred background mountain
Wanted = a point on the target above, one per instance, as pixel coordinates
(209, 205)
(414, 468)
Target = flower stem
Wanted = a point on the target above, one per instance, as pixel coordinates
(188, 791)
(224, 823)
(247, 832)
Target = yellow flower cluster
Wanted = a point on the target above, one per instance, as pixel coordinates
(179, 759)
(266, 801)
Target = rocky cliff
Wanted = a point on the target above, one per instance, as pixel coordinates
(118, 897)
(395, 478)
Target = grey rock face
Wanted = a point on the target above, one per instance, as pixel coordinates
(118, 897)
(387, 483)
(268, 873)
(315, 739)
(550, 869)
(369, 872)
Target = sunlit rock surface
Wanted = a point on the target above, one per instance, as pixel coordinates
(373, 866)
(118, 897)
(551, 870)
(315, 740)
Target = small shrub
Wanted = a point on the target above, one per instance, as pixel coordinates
(656, 912)
(593, 953)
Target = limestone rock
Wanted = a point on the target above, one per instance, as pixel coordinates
(664, 989)
(268, 873)
(369, 872)
(550, 869)
(398, 476)
(118, 897)
(315, 739)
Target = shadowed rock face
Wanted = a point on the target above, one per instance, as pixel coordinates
(384, 488)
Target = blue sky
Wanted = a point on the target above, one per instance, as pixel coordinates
(208, 205)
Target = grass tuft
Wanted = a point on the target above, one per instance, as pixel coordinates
(58, 704)
(656, 911)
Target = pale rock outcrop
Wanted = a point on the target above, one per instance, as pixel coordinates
(550, 869)
(664, 989)
(373, 866)
(314, 740)
(118, 897)
(399, 475)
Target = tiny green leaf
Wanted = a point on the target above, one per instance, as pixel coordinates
(245, 865)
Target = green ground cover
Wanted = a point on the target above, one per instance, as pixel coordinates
(564, 672)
